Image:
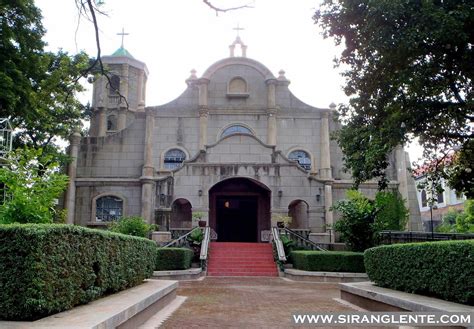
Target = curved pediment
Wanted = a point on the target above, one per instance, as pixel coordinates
(262, 69)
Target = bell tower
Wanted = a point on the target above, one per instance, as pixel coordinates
(120, 94)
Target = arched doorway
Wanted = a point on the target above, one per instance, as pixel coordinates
(181, 214)
(239, 209)
(298, 211)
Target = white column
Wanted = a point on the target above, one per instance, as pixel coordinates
(271, 112)
(327, 208)
(75, 140)
(325, 148)
(122, 118)
(148, 170)
(203, 112)
(101, 122)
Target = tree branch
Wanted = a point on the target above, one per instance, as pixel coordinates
(223, 10)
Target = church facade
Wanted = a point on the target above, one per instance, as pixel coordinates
(236, 148)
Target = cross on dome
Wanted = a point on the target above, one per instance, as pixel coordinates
(238, 41)
(122, 34)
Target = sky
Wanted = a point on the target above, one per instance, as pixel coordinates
(172, 37)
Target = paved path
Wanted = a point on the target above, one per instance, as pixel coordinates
(251, 303)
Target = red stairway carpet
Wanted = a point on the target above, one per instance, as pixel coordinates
(241, 259)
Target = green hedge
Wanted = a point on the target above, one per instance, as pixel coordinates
(441, 269)
(328, 261)
(173, 259)
(49, 268)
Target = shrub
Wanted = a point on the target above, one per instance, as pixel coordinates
(32, 187)
(329, 261)
(49, 268)
(173, 259)
(135, 226)
(442, 269)
(362, 218)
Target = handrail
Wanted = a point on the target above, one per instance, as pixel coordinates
(179, 241)
(278, 244)
(205, 243)
(305, 242)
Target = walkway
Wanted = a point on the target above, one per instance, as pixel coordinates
(251, 303)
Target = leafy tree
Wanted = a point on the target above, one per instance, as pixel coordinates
(362, 218)
(39, 89)
(20, 40)
(32, 187)
(409, 74)
(459, 222)
(391, 211)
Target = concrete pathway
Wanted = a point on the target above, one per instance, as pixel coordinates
(248, 302)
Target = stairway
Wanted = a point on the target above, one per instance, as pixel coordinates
(241, 259)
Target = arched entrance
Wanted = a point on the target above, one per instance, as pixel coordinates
(181, 214)
(239, 209)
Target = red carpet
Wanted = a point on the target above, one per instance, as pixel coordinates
(241, 259)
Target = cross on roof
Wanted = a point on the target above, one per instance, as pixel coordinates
(238, 28)
(123, 34)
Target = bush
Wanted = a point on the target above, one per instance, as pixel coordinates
(32, 188)
(135, 226)
(329, 261)
(45, 269)
(442, 269)
(173, 259)
(362, 218)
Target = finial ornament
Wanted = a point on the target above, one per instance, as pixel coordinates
(122, 34)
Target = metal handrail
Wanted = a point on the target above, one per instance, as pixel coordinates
(278, 244)
(302, 240)
(179, 241)
(205, 243)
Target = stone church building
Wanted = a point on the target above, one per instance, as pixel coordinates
(236, 146)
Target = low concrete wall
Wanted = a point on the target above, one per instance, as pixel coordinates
(126, 309)
(373, 298)
(299, 275)
(190, 274)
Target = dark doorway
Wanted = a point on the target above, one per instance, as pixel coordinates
(238, 217)
(239, 210)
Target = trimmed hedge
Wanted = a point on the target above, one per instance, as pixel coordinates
(441, 269)
(49, 268)
(173, 259)
(328, 261)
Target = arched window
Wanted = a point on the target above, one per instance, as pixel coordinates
(114, 87)
(303, 158)
(174, 158)
(112, 122)
(236, 129)
(424, 199)
(237, 86)
(108, 208)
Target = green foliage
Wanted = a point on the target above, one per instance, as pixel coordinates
(460, 172)
(330, 261)
(134, 225)
(45, 269)
(196, 237)
(362, 218)
(39, 88)
(459, 222)
(440, 269)
(407, 77)
(173, 259)
(32, 188)
(391, 211)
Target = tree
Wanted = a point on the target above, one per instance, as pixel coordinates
(39, 89)
(32, 188)
(409, 75)
(20, 40)
(363, 218)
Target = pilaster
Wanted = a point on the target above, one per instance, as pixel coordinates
(101, 122)
(271, 112)
(75, 140)
(325, 171)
